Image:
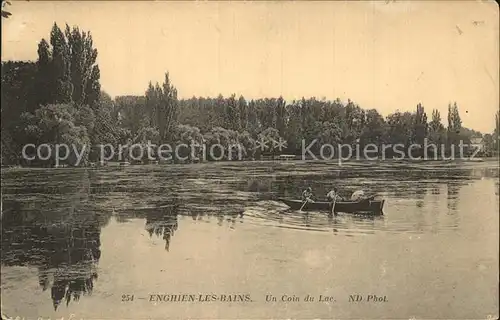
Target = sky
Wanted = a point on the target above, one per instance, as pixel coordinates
(381, 54)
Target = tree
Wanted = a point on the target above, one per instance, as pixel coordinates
(281, 115)
(354, 122)
(326, 133)
(374, 129)
(60, 67)
(269, 140)
(308, 119)
(243, 123)
(294, 129)
(436, 128)
(231, 113)
(400, 127)
(57, 124)
(467, 134)
(220, 143)
(67, 68)
(65, 77)
(131, 113)
(420, 128)
(190, 137)
(253, 123)
(105, 129)
(44, 76)
(18, 96)
(85, 74)
(247, 144)
(454, 124)
(489, 143)
(193, 112)
(162, 107)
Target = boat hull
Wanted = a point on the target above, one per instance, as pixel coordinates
(363, 206)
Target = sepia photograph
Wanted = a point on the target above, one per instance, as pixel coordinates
(250, 160)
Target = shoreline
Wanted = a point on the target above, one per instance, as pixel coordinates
(295, 160)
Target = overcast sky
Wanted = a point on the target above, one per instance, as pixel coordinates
(382, 55)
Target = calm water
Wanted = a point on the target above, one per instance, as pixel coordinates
(74, 241)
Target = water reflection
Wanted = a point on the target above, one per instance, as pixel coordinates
(53, 227)
(163, 223)
(66, 253)
(52, 220)
(420, 195)
(435, 190)
(452, 196)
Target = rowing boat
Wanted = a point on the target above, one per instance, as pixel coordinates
(363, 206)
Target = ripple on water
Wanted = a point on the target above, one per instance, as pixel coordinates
(400, 218)
(276, 214)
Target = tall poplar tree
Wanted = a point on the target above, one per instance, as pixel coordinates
(162, 107)
(420, 125)
(454, 124)
(67, 68)
(436, 128)
(85, 74)
(60, 67)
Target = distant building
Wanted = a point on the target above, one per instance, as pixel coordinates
(477, 143)
(285, 157)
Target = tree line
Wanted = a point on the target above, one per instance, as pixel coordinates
(58, 99)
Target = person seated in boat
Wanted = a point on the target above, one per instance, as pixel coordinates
(333, 195)
(358, 195)
(307, 195)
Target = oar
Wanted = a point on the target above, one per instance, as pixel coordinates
(333, 206)
(303, 205)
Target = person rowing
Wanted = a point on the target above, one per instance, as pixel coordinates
(333, 197)
(307, 195)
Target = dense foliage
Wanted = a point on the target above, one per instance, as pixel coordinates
(58, 99)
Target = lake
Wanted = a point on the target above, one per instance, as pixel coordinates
(122, 243)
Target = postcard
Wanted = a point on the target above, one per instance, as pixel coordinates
(250, 160)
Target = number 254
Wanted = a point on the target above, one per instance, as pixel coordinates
(127, 297)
